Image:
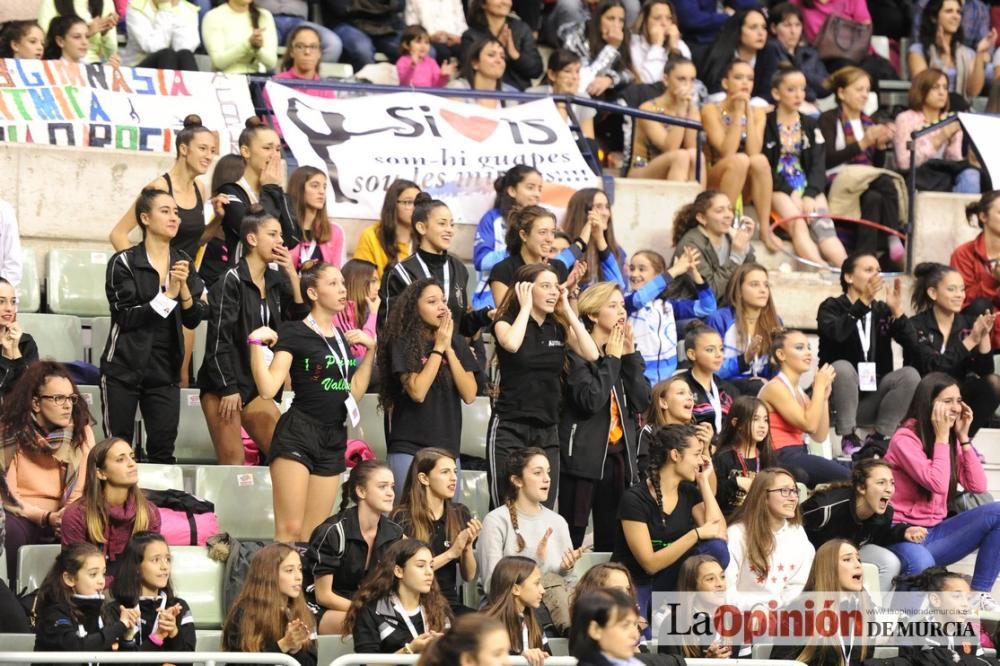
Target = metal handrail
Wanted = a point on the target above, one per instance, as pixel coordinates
(911, 181)
(95, 657)
(597, 105)
(404, 659)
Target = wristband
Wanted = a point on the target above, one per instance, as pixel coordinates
(155, 640)
(255, 341)
(440, 353)
(696, 534)
(965, 443)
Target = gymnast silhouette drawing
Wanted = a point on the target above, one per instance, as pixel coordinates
(323, 143)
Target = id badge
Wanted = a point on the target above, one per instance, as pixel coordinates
(353, 413)
(867, 379)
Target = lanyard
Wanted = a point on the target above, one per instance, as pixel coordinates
(524, 636)
(865, 333)
(743, 463)
(447, 274)
(397, 606)
(341, 361)
(716, 402)
(843, 648)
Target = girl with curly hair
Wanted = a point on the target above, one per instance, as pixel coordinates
(426, 371)
(399, 608)
(270, 613)
(45, 437)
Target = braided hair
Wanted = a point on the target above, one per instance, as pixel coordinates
(666, 439)
(516, 464)
(360, 475)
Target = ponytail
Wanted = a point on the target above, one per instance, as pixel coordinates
(255, 16)
(686, 218)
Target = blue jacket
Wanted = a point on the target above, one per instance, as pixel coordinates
(654, 322)
(700, 21)
(734, 365)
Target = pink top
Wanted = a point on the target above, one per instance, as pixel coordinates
(316, 92)
(425, 74)
(782, 432)
(345, 321)
(332, 250)
(908, 122)
(813, 18)
(922, 485)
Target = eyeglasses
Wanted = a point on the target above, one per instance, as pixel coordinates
(305, 48)
(60, 400)
(406, 202)
(785, 492)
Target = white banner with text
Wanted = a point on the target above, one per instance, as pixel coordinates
(451, 150)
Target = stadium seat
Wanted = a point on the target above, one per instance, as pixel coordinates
(153, 476)
(335, 70)
(242, 498)
(29, 292)
(371, 428)
(59, 337)
(198, 352)
(872, 585)
(33, 562)
(588, 560)
(197, 579)
(16, 643)
(559, 647)
(475, 418)
(194, 441)
(208, 640)
(330, 647)
(75, 282)
(100, 329)
(92, 396)
(475, 492)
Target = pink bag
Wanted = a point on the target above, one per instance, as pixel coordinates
(180, 528)
(358, 451)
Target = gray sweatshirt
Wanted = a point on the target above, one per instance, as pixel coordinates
(498, 540)
(286, 7)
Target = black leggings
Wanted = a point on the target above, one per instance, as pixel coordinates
(577, 499)
(170, 59)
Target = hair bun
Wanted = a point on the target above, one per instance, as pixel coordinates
(925, 268)
(253, 122)
(696, 325)
(422, 198)
(192, 120)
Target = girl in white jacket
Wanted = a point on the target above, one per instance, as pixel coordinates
(162, 34)
(769, 553)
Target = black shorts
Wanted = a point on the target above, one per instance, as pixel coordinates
(305, 440)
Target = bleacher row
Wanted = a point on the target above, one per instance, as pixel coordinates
(198, 580)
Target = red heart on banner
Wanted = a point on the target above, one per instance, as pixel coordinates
(476, 128)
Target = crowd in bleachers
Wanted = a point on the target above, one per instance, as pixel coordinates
(652, 409)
